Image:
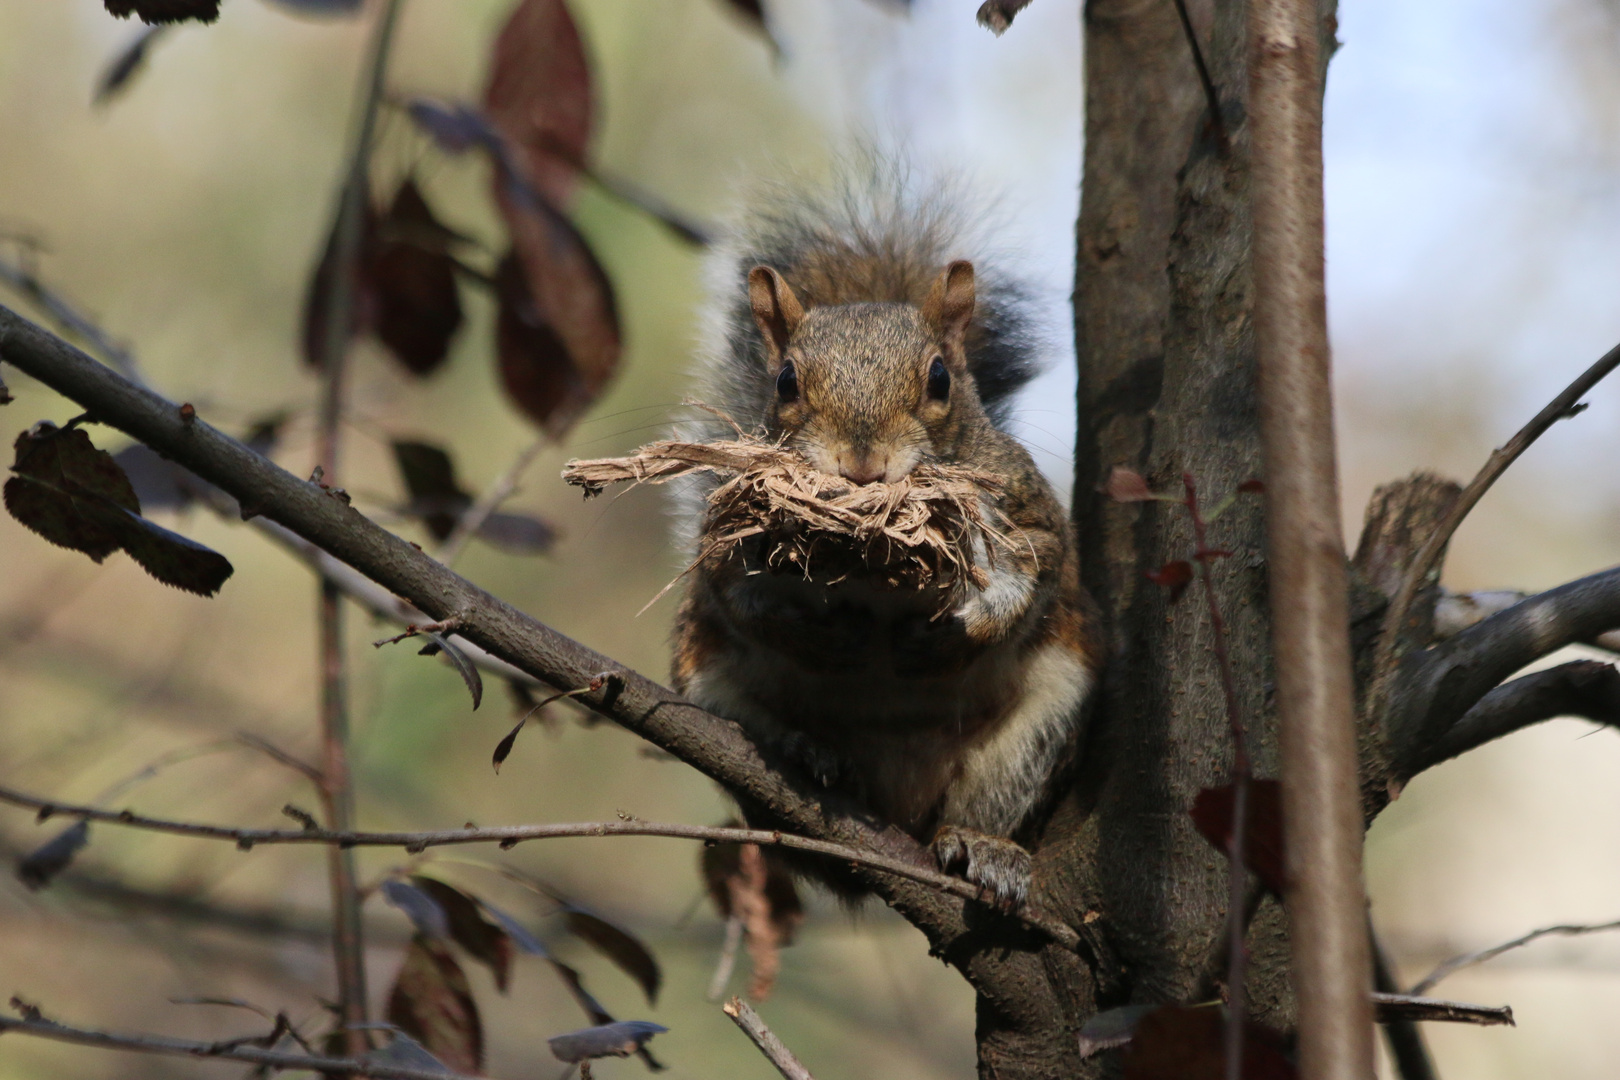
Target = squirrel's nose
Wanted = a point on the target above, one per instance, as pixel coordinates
(862, 470)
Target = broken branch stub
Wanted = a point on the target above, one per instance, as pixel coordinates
(921, 531)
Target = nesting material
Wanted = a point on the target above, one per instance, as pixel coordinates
(917, 533)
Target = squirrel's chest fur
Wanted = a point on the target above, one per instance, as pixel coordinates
(931, 725)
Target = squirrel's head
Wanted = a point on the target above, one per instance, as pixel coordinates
(868, 391)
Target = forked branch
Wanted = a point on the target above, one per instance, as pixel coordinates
(1426, 562)
(1433, 691)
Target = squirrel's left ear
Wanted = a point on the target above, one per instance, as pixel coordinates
(776, 310)
(949, 306)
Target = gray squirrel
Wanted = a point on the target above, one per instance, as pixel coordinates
(848, 321)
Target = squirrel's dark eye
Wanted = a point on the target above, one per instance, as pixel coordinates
(939, 380)
(787, 384)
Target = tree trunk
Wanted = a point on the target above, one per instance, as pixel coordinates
(1166, 387)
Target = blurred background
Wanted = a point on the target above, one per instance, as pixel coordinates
(1473, 156)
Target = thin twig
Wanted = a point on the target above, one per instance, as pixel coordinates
(508, 835)
(280, 756)
(1390, 1007)
(763, 1037)
(1331, 964)
(1457, 963)
(26, 282)
(726, 962)
(227, 1051)
(337, 788)
(473, 518)
(1406, 1046)
(1426, 561)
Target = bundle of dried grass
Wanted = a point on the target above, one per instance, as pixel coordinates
(916, 533)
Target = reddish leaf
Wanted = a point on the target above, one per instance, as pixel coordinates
(1251, 487)
(484, 941)
(162, 11)
(1126, 485)
(412, 278)
(557, 329)
(618, 945)
(432, 1003)
(77, 497)
(1174, 576)
(1180, 1043)
(539, 95)
(1262, 838)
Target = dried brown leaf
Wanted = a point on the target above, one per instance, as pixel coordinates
(486, 942)
(432, 1003)
(77, 497)
(411, 276)
(619, 945)
(539, 95)
(557, 331)
(918, 532)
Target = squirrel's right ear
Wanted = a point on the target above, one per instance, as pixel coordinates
(776, 310)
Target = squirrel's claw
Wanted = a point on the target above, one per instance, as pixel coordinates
(824, 766)
(990, 862)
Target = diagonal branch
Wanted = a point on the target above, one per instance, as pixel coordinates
(1585, 688)
(224, 1051)
(717, 747)
(1431, 691)
(786, 1062)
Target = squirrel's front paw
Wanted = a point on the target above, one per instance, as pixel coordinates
(990, 862)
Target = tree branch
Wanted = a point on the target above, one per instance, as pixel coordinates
(1011, 977)
(1456, 612)
(1584, 688)
(510, 835)
(230, 1050)
(1433, 690)
(1309, 590)
(1427, 560)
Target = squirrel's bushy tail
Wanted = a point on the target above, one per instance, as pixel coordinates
(876, 232)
